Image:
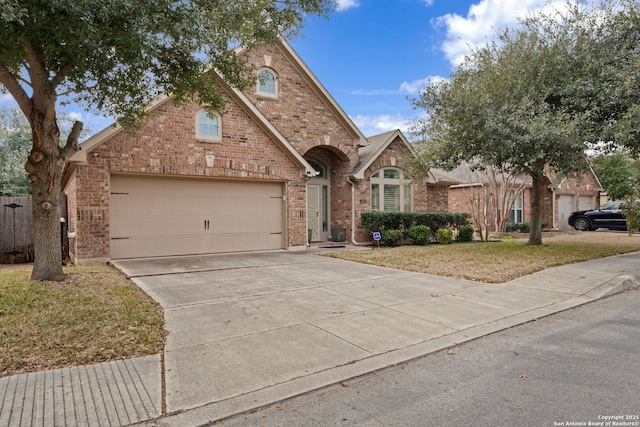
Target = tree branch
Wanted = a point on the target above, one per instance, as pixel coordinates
(10, 81)
(62, 73)
(71, 147)
(36, 69)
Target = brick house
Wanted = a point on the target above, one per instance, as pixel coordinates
(562, 195)
(283, 163)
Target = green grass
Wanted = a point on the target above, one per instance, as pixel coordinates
(95, 315)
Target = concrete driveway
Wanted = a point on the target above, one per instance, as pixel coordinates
(254, 328)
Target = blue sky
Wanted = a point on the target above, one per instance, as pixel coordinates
(372, 54)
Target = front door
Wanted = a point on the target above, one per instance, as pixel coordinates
(313, 211)
(318, 209)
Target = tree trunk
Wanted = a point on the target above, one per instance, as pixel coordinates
(45, 165)
(535, 234)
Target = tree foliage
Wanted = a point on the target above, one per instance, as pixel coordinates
(15, 144)
(114, 57)
(631, 211)
(619, 174)
(537, 97)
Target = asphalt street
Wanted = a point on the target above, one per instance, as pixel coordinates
(578, 367)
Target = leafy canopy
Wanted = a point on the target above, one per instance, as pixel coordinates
(115, 56)
(499, 107)
(618, 173)
(541, 93)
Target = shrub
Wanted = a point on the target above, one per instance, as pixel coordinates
(392, 237)
(445, 236)
(378, 221)
(631, 211)
(419, 235)
(525, 227)
(512, 228)
(465, 234)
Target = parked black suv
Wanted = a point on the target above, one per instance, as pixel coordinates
(608, 216)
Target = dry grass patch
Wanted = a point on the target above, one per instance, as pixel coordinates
(95, 315)
(497, 262)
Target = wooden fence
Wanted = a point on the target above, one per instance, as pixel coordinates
(16, 230)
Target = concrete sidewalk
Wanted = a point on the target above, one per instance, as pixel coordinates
(247, 330)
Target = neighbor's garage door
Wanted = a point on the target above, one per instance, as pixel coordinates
(566, 205)
(153, 216)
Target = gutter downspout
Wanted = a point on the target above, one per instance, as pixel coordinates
(353, 213)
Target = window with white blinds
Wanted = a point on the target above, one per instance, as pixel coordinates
(396, 191)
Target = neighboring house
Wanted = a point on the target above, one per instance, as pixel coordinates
(283, 163)
(561, 196)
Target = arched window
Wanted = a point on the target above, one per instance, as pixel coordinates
(390, 191)
(267, 82)
(318, 166)
(208, 126)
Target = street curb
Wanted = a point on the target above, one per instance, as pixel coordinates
(614, 286)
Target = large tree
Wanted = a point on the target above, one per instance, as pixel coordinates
(515, 104)
(114, 57)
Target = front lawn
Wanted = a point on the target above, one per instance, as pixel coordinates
(499, 261)
(96, 315)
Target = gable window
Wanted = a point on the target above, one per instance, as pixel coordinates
(390, 191)
(267, 83)
(208, 127)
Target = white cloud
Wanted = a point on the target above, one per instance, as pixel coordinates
(481, 22)
(428, 2)
(343, 5)
(75, 116)
(406, 88)
(373, 125)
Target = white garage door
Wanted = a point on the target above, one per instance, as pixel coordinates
(586, 203)
(152, 216)
(566, 205)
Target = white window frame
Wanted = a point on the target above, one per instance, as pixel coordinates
(516, 214)
(404, 187)
(275, 83)
(206, 136)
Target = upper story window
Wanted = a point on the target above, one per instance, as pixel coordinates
(208, 126)
(267, 82)
(390, 191)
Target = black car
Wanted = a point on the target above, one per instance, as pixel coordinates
(608, 216)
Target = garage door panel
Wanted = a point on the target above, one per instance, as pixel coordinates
(128, 226)
(168, 216)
